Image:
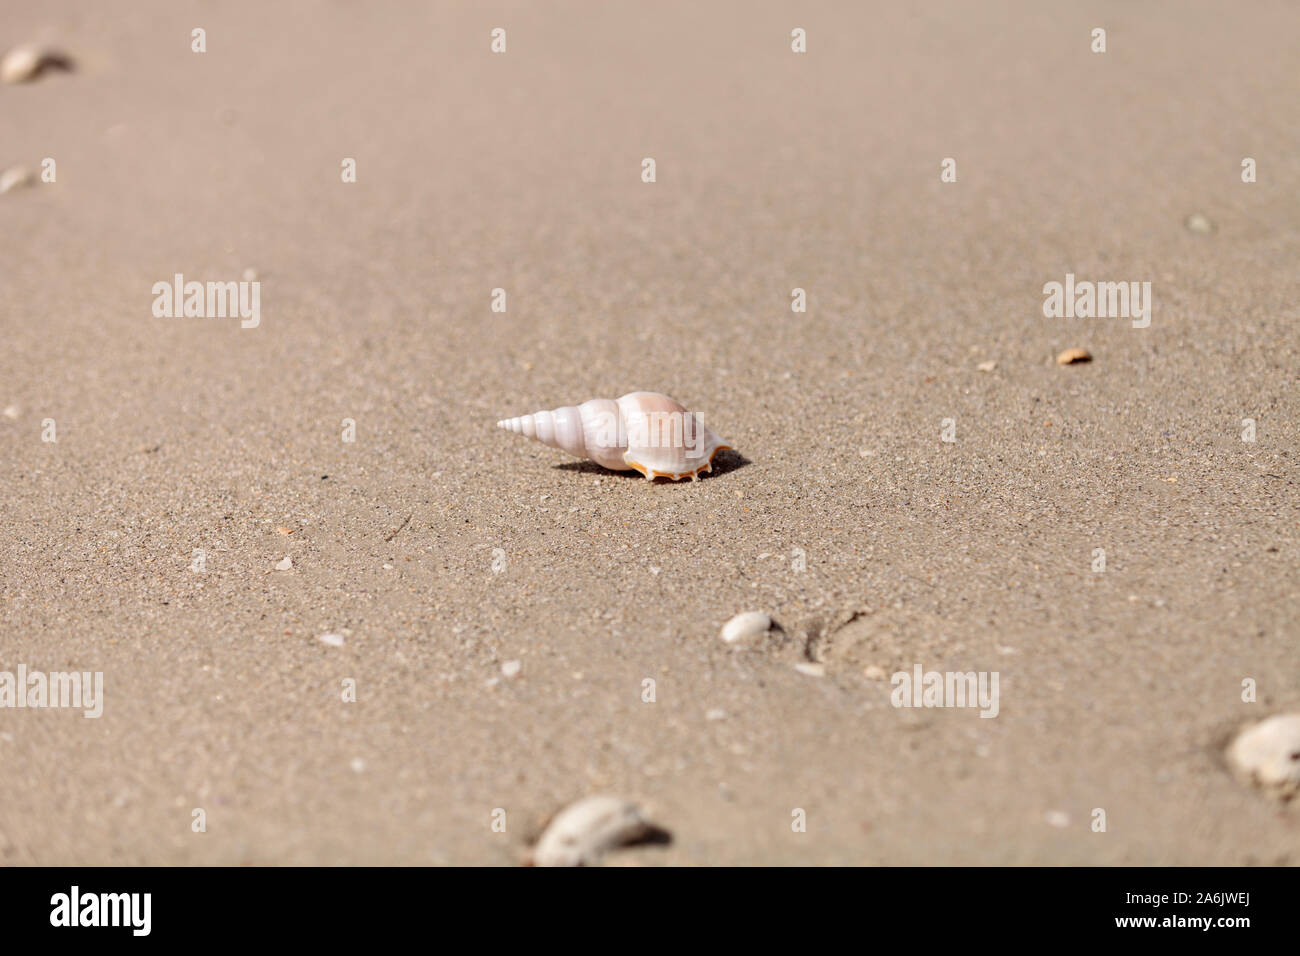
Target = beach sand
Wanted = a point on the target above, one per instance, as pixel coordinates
(774, 171)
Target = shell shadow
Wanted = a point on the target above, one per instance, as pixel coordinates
(654, 835)
(724, 461)
(53, 61)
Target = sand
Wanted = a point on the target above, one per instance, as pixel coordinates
(522, 171)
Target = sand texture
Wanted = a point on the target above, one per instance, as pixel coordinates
(439, 548)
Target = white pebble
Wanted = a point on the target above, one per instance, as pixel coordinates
(1057, 818)
(14, 177)
(812, 669)
(744, 626)
(1199, 222)
(585, 831)
(20, 64)
(11, 411)
(284, 564)
(874, 672)
(1268, 754)
(511, 668)
(717, 713)
(333, 640)
(358, 765)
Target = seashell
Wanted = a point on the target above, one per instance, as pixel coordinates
(20, 64)
(1074, 356)
(1268, 754)
(16, 176)
(585, 831)
(25, 63)
(747, 625)
(642, 431)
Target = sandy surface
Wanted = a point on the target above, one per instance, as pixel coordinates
(775, 171)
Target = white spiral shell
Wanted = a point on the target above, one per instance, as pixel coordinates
(642, 431)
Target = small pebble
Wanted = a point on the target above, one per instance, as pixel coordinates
(874, 673)
(358, 765)
(21, 64)
(250, 275)
(811, 668)
(511, 668)
(1268, 754)
(747, 625)
(987, 366)
(583, 832)
(284, 564)
(333, 640)
(11, 411)
(1057, 818)
(1199, 222)
(15, 177)
(717, 713)
(1073, 357)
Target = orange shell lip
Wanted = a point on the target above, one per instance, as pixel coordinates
(651, 473)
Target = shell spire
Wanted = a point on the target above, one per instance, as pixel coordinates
(642, 431)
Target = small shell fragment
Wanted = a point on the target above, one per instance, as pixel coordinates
(583, 832)
(1073, 357)
(333, 640)
(1199, 222)
(16, 176)
(284, 564)
(747, 625)
(21, 64)
(1268, 754)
